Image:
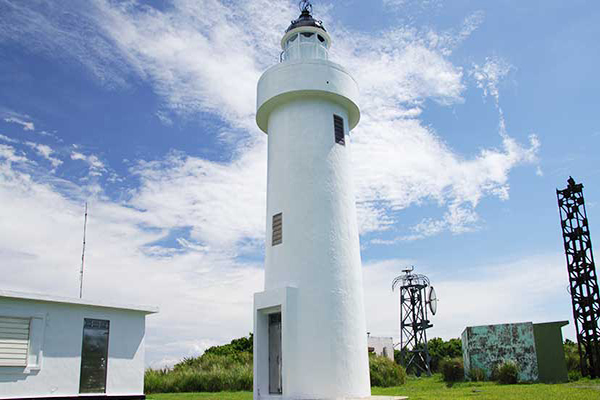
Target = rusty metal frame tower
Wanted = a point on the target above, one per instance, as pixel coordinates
(414, 321)
(583, 283)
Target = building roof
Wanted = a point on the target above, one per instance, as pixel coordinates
(83, 302)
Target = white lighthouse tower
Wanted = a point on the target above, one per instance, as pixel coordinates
(310, 339)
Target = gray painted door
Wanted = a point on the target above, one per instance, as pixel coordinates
(275, 386)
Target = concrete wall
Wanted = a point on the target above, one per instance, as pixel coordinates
(55, 349)
(487, 345)
(382, 346)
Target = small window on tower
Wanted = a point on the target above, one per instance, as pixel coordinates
(321, 38)
(338, 127)
(277, 229)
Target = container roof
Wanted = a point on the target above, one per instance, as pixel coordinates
(82, 302)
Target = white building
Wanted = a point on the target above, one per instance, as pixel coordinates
(382, 346)
(310, 337)
(55, 347)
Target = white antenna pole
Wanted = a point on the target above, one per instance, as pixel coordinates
(83, 253)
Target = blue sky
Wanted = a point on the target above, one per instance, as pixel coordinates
(472, 114)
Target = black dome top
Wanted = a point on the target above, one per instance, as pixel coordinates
(305, 19)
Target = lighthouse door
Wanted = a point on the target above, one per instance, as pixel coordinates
(275, 353)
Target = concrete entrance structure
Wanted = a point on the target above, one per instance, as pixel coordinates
(310, 337)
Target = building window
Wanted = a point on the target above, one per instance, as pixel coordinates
(94, 356)
(338, 127)
(14, 341)
(277, 229)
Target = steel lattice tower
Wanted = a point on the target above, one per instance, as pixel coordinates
(414, 321)
(583, 283)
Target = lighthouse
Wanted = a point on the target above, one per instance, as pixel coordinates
(310, 338)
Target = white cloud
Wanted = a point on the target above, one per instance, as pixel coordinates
(50, 134)
(205, 297)
(539, 171)
(207, 57)
(224, 203)
(531, 288)
(64, 30)
(9, 155)
(8, 139)
(96, 166)
(489, 75)
(414, 5)
(46, 152)
(204, 56)
(27, 125)
(164, 118)
(458, 219)
(399, 161)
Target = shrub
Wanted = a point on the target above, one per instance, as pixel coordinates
(439, 349)
(572, 355)
(155, 381)
(452, 369)
(476, 375)
(494, 372)
(211, 361)
(398, 357)
(508, 373)
(207, 373)
(385, 372)
(574, 376)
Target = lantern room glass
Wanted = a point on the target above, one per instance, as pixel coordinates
(305, 45)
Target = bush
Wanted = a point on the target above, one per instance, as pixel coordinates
(207, 373)
(508, 373)
(476, 375)
(210, 361)
(385, 372)
(157, 381)
(574, 376)
(398, 357)
(572, 356)
(439, 349)
(452, 369)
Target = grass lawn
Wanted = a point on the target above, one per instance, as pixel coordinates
(434, 389)
(201, 396)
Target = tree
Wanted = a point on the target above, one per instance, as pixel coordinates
(243, 344)
(439, 349)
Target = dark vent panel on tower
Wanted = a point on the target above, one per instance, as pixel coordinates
(277, 229)
(338, 127)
